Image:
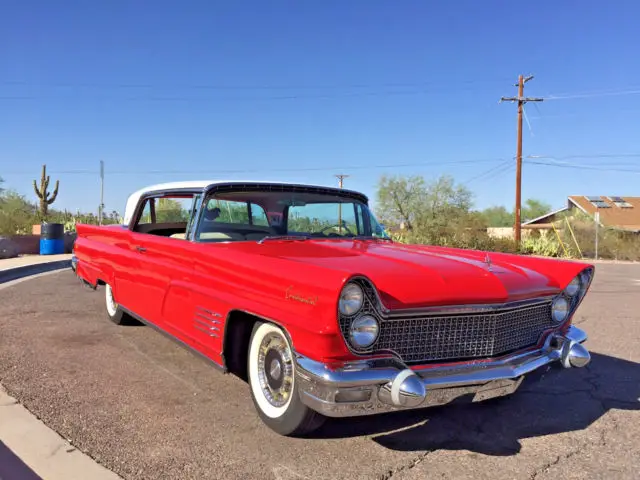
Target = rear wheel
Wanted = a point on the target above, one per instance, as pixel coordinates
(273, 386)
(114, 311)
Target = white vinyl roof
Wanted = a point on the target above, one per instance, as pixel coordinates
(134, 198)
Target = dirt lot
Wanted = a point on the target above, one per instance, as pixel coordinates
(146, 408)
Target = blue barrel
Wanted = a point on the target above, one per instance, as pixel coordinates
(51, 238)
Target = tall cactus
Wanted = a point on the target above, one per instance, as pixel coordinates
(46, 197)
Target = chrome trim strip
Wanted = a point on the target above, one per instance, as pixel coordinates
(207, 318)
(210, 312)
(184, 345)
(470, 309)
(204, 324)
(205, 331)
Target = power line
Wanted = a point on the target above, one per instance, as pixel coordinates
(503, 167)
(218, 86)
(582, 167)
(588, 155)
(301, 169)
(141, 98)
(570, 96)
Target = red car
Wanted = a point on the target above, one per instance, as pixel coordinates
(297, 289)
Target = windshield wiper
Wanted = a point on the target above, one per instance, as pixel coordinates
(283, 237)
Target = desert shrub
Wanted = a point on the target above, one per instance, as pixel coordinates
(545, 245)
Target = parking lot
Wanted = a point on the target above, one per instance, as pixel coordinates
(146, 408)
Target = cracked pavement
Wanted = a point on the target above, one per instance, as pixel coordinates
(146, 408)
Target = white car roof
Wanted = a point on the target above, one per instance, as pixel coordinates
(134, 198)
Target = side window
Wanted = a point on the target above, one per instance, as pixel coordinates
(226, 211)
(145, 217)
(173, 210)
(323, 219)
(166, 216)
(228, 221)
(258, 216)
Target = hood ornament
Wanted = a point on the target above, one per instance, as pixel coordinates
(487, 260)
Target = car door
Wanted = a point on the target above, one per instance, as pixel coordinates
(162, 259)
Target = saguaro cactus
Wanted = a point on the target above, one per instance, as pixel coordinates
(46, 197)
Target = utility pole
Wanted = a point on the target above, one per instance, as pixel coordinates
(521, 99)
(341, 178)
(597, 222)
(101, 209)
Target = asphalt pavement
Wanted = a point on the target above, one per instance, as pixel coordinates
(146, 408)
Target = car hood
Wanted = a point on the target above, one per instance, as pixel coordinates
(410, 276)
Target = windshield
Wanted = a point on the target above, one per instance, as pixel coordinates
(255, 215)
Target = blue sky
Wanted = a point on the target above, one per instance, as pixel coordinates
(267, 89)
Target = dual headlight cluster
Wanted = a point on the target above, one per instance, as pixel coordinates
(364, 328)
(563, 303)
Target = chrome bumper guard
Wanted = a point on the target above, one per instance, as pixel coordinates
(74, 262)
(373, 386)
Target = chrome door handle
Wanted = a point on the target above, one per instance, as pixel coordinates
(140, 249)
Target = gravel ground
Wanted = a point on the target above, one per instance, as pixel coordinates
(148, 409)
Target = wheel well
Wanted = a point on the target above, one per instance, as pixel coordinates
(237, 335)
(100, 282)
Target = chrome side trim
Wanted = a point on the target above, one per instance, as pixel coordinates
(206, 325)
(223, 368)
(205, 321)
(209, 312)
(206, 318)
(206, 331)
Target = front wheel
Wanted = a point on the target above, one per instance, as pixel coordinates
(273, 386)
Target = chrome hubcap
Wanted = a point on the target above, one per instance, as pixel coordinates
(275, 370)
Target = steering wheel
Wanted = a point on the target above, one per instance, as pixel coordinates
(337, 226)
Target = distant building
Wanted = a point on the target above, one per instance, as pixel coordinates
(621, 213)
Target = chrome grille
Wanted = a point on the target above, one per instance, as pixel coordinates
(430, 338)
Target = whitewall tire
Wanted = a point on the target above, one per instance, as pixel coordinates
(114, 311)
(271, 369)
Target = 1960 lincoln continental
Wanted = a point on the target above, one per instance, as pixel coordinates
(298, 290)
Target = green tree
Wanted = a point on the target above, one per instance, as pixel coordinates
(428, 208)
(533, 208)
(498, 216)
(170, 211)
(400, 200)
(17, 215)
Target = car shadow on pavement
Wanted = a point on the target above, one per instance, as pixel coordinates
(12, 468)
(557, 401)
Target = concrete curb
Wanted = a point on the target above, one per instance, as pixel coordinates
(16, 273)
(29, 449)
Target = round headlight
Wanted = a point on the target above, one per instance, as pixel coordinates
(574, 287)
(559, 309)
(363, 331)
(351, 299)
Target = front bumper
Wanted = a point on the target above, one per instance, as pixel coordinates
(373, 386)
